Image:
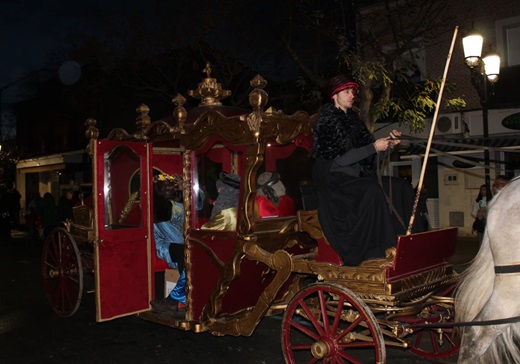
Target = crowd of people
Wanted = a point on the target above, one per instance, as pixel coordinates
(43, 214)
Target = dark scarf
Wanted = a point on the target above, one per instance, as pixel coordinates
(268, 190)
(336, 132)
(229, 190)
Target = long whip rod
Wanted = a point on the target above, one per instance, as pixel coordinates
(432, 132)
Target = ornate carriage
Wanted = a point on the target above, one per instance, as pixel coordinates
(268, 265)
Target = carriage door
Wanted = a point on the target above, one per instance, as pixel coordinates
(122, 252)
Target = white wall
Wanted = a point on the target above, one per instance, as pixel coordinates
(458, 188)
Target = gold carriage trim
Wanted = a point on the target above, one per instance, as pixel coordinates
(370, 279)
(371, 283)
(83, 217)
(209, 91)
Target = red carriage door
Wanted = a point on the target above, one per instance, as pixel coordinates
(122, 249)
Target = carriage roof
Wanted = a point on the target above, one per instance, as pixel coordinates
(192, 128)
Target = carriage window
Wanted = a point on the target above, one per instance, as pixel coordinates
(216, 188)
(122, 188)
(286, 169)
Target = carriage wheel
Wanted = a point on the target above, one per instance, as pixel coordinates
(62, 272)
(435, 343)
(330, 324)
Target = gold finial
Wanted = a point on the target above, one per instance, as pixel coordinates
(207, 70)
(257, 99)
(209, 91)
(179, 113)
(142, 121)
(92, 132)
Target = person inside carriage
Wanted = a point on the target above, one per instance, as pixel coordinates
(271, 199)
(361, 215)
(169, 238)
(225, 208)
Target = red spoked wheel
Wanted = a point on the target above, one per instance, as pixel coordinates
(62, 272)
(434, 342)
(327, 323)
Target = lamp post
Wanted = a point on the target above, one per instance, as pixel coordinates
(484, 74)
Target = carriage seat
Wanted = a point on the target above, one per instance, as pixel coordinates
(158, 265)
(413, 254)
(308, 222)
(83, 216)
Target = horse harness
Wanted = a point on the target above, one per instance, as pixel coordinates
(507, 269)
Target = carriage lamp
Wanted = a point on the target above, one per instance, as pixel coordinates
(484, 74)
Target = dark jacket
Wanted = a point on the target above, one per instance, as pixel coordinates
(343, 138)
(353, 209)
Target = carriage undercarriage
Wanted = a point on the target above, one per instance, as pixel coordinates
(332, 312)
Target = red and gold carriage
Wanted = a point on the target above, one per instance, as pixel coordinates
(268, 265)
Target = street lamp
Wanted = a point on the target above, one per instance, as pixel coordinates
(484, 74)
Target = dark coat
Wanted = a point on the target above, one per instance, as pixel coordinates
(343, 137)
(49, 211)
(353, 210)
(65, 209)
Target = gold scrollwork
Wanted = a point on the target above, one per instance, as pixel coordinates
(134, 197)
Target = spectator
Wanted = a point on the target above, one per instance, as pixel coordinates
(65, 205)
(500, 182)
(479, 212)
(14, 205)
(5, 220)
(33, 218)
(48, 213)
(422, 209)
(79, 199)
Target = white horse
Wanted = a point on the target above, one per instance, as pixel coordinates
(490, 287)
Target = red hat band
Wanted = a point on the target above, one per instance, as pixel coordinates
(345, 86)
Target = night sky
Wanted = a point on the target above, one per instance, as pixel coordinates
(31, 29)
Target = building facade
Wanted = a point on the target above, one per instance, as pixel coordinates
(459, 170)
